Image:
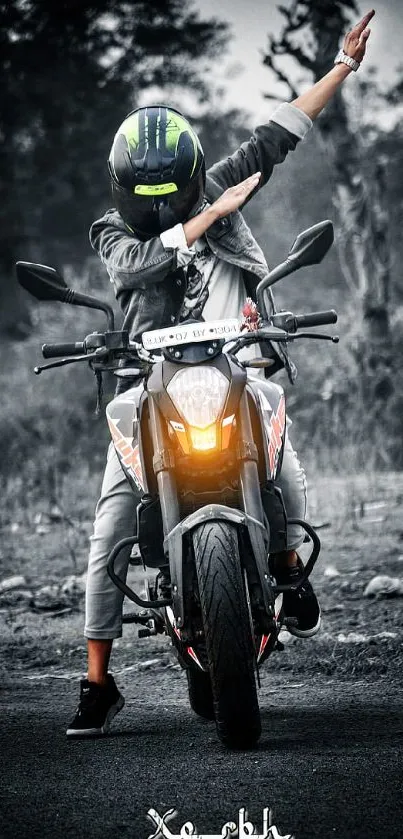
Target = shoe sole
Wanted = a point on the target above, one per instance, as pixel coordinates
(98, 732)
(304, 633)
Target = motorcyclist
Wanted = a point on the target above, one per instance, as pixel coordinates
(176, 246)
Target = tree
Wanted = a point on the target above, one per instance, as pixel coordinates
(70, 72)
(311, 36)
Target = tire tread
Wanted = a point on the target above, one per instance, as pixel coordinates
(230, 648)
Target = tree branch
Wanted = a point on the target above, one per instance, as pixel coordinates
(284, 47)
(295, 20)
(282, 77)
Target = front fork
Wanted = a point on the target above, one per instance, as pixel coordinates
(163, 463)
(258, 571)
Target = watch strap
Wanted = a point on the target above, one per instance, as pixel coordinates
(343, 58)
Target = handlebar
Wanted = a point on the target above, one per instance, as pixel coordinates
(60, 350)
(104, 348)
(316, 319)
(291, 323)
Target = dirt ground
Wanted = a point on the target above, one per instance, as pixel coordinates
(360, 522)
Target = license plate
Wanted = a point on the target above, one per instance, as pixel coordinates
(189, 333)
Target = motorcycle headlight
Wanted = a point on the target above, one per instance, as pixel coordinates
(199, 394)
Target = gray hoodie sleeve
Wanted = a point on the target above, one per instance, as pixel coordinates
(268, 146)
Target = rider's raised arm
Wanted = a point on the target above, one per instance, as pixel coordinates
(348, 60)
(290, 122)
(268, 145)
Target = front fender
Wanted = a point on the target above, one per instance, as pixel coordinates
(173, 545)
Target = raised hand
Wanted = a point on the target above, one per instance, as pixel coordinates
(235, 196)
(356, 40)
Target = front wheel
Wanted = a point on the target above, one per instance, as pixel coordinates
(229, 643)
(200, 694)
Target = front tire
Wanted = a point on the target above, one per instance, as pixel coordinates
(229, 642)
(200, 694)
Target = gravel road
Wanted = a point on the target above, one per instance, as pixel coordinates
(329, 763)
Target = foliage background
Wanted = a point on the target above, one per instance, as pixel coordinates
(70, 73)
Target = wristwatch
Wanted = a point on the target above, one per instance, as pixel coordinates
(342, 58)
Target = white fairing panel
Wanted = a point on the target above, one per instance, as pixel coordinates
(122, 416)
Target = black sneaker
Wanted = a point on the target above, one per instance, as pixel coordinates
(301, 604)
(97, 707)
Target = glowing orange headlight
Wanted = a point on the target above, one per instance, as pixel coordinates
(203, 439)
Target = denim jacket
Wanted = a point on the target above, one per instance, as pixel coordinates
(148, 283)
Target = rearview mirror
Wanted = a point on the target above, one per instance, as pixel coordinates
(309, 248)
(45, 283)
(311, 245)
(42, 281)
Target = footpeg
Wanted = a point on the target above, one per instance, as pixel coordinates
(136, 560)
(132, 617)
(151, 627)
(144, 617)
(145, 632)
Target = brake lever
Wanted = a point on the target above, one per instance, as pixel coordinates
(264, 333)
(100, 352)
(334, 338)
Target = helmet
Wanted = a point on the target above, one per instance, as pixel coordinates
(157, 170)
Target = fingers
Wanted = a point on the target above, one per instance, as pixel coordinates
(251, 182)
(364, 37)
(236, 195)
(254, 177)
(364, 22)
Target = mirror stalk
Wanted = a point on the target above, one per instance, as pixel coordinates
(76, 298)
(276, 274)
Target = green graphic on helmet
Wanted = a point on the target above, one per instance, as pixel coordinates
(167, 135)
(157, 169)
(157, 189)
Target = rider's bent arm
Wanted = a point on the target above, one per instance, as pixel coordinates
(130, 262)
(268, 146)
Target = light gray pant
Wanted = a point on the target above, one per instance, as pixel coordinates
(115, 518)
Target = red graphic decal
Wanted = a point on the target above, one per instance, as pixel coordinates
(263, 642)
(171, 619)
(193, 655)
(128, 454)
(276, 431)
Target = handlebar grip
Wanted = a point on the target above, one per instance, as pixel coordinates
(60, 350)
(316, 319)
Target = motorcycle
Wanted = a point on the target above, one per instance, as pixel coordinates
(203, 443)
